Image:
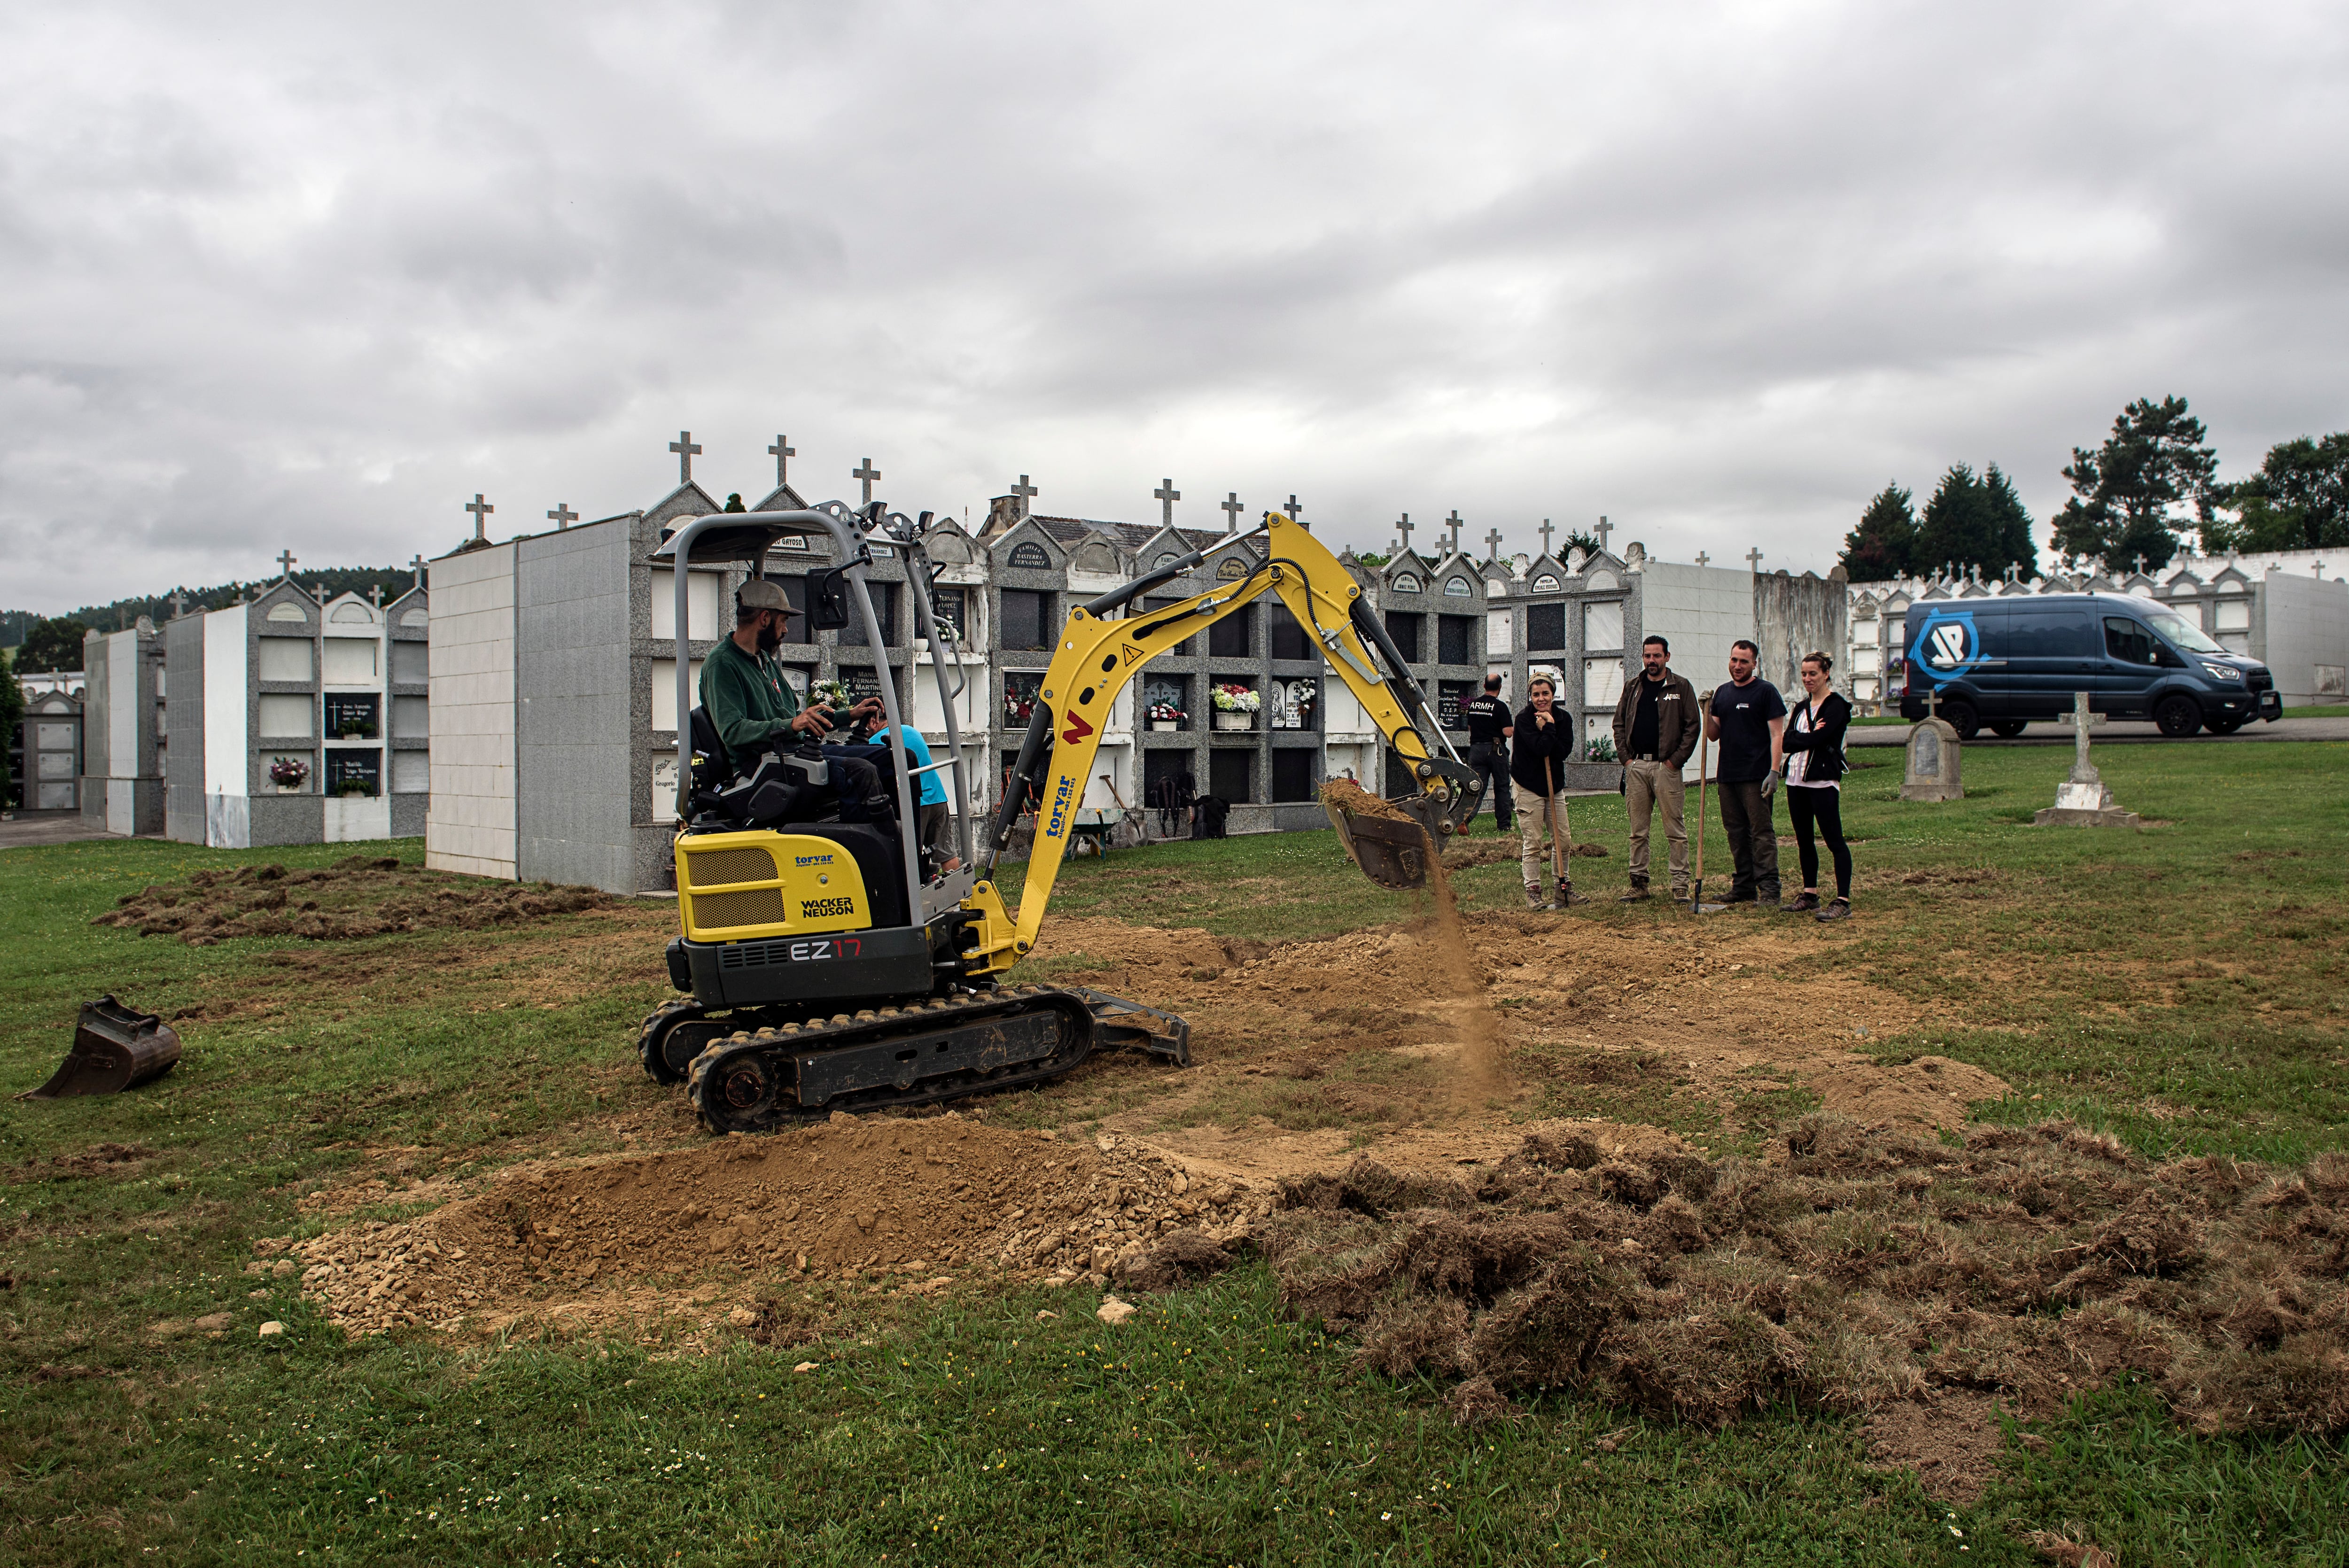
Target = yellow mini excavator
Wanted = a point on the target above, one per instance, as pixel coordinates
(827, 968)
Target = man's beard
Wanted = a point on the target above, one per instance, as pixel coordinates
(771, 637)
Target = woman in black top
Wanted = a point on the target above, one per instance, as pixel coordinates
(1541, 746)
(1815, 763)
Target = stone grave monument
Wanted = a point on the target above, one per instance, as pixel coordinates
(2082, 799)
(1934, 772)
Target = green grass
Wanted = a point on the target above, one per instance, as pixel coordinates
(2182, 986)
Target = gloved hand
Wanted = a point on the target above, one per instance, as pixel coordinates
(1769, 785)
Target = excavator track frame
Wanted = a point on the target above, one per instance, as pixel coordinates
(945, 1049)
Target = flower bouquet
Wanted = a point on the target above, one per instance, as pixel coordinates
(1236, 708)
(289, 774)
(1167, 716)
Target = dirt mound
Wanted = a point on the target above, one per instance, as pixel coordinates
(1875, 1266)
(610, 1238)
(359, 896)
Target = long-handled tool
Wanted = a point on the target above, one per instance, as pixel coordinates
(1696, 895)
(1550, 820)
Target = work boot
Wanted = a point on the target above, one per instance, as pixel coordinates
(1805, 902)
(1534, 899)
(1638, 890)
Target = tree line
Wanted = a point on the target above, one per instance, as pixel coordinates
(54, 642)
(2153, 481)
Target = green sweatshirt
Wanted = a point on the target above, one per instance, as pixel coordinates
(747, 698)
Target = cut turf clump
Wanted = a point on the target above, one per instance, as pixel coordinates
(1874, 1265)
(359, 896)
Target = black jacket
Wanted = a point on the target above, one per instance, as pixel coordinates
(1487, 715)
(1533, 744)
(1821, 744)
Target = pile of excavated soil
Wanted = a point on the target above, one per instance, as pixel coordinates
(608, 1239)
(361, 895)
(1874, 1266)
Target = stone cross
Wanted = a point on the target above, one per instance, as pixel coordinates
(866, 473)
(1452, 522)
(1702, 559)
(1167, 496)
(481, 510)
(2140, 565)
(1231, 506)
(1492, 545)
(375, 594)
(562, 517)
(1933, 697)
(179, 605)
(686, 448)
(286, 558)
(1754, 559)
(2014, 571)
(1605, 528)
(417, 566)
(1544, 530)
(1022, 493)
(1292, 507)
(782, 451)
(1402, 526)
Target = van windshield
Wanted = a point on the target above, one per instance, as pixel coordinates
(2181, 631)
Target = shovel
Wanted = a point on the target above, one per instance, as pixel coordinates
(114, 1049)
(1696, 894)
(1561, 862)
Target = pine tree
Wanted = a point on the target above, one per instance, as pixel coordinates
(2010, 526)
(1953, 531)
(1884, 545)
(2130, 495)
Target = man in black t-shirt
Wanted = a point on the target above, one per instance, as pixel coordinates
(1488, 749)
(1748, 718)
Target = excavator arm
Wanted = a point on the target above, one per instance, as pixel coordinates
(1100, 654)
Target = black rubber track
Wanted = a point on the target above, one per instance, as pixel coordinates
(772, 1051)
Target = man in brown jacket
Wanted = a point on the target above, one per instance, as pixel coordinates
(1656, 730)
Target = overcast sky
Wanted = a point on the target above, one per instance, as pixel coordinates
(310, 276)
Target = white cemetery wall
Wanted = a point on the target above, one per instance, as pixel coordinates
(470, 825)
(2301, 632)
(1700, 611)
(99, 740)
(227, 732)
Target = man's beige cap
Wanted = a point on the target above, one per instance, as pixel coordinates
(760, 594)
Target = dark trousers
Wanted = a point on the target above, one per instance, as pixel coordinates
(1491, 763)
(1807, 808)
(1753, 839)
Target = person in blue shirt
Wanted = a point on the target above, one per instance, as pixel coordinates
(936, 826)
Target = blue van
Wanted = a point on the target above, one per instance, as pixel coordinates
(2003, 662)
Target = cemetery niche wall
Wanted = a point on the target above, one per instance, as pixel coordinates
(125, 736)
(298, 721)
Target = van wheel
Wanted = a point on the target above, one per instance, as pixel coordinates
(1962, 716)
(2177, 716)
(2008, 727)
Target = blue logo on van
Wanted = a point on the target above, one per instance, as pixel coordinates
(1946, 646)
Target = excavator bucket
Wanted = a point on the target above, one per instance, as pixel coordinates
(1384, 838)
(114, 1049)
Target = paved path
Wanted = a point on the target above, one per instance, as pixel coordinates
(46, 827)
(2121, 732)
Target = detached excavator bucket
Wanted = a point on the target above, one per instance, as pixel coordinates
(114, 1049)
(1385, 839)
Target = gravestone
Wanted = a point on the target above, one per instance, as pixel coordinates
(1933, 772)
(2083, 801)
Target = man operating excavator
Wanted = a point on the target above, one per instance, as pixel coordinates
(755, 708)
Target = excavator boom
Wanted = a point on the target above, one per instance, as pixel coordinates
(1100, 653)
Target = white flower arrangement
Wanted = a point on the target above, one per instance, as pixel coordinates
(1236, 699)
